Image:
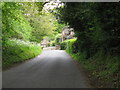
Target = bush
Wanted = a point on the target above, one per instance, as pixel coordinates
(68, 45)
(15, 51)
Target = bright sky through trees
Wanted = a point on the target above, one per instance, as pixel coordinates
(52, 5)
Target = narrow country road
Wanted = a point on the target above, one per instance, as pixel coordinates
(51, 69)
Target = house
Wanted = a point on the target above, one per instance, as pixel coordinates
(45, 42)
(67, 33)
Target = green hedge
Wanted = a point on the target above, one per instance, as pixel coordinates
(68, 45)
(15, 51)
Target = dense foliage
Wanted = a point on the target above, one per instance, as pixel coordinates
(27, 21)
(96, 26)
(42, 22)
(68, 45)
(14, 24)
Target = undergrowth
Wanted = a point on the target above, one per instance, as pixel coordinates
(102, 67)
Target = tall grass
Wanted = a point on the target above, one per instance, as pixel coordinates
(15, 51)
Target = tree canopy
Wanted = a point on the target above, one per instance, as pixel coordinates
(27, 21)
(96, 25)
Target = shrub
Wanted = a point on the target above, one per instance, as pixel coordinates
(68, 45)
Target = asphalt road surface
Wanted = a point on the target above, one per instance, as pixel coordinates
(51, 69)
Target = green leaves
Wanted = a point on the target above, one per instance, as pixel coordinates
(27, 21)
(96, 25)
(14, 24)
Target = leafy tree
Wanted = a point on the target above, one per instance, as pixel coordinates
(14, 25)
(41, 21)
(96, 26)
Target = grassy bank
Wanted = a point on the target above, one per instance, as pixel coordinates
(103, 69)
(15, 51)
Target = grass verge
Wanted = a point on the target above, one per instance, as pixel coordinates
(103, 69)
(15, 51)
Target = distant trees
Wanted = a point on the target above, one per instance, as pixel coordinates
(14, 25)
(41, 21)
(27, 21)
(96, 26)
